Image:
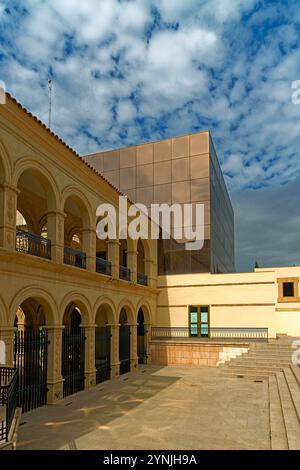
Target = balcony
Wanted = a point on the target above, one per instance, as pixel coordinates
(103, 266)
(74, 257)
(142, 279)
(124, 273)
(32, 244)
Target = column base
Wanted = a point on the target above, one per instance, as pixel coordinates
(90, 379)
(55, 391)
(115, 370)
(134, 364)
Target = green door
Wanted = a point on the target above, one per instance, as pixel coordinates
(199, 320)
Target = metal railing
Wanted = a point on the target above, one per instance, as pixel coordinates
(74, 257)
(214, 334)
(32, 244)
(142, 279)
(103, 266)
(8, 399)
(124, 273)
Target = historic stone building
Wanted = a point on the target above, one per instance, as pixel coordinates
(74, 310)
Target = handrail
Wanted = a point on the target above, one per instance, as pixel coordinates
(124, 273)
(33, 244)
(103, 266)
(142, 279)
(8, 398)
(74, 257)
(213, 333)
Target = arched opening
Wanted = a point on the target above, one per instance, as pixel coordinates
(73, 350)
(104, 317)
(76, 220)
(30, 352)
(123, 261)
(124, 342)
(35, 200)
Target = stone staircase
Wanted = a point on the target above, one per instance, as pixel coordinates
(273, 362)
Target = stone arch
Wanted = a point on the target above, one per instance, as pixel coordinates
(129, 309)
(89, 218)
(5, 165)
(110, 307)
(42, 296)
(78, 300)
(145, 306)
(42, 173)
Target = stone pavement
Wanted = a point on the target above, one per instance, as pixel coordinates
(156, 408)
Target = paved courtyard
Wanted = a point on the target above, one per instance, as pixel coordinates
(156, 408)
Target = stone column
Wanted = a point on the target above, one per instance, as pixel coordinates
(147, 327)
(54, 378)
(8, 211)
(89, 361)
(132, 264)
(133, 348)
(113, 257)
(89, 247)
(55, 233)
(114, 351)
(151, 271)
(7, 336)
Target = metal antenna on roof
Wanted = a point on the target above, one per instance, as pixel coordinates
(50, 100)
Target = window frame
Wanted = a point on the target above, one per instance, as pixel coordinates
(290, 280)
(199, 323)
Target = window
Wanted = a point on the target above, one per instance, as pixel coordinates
(288, 289)
(199, 320)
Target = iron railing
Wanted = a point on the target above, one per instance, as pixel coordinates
(215, 334)
(32, 244)
(74, 257)
(103, 266)
(30, 359)
(124, 273)
(73, 360)
(8, 399)
(142, 279)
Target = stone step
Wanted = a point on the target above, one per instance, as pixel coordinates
(293, 388)
(255, 367)
(260, 361)
(291, 420)
(277, 425)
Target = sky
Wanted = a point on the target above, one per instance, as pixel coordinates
(130, 71)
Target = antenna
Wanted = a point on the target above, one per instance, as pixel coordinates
(50, 100)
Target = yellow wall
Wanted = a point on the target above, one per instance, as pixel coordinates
(236, 300)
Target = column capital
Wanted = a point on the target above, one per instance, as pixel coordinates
(54, 327)
(56, 212)
(6, 186)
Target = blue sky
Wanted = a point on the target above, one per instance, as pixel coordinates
(126, 72)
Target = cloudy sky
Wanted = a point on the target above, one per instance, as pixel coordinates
(129, 71)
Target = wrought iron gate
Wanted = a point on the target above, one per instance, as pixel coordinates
(30, 358)
(102, 353)
(124, 348)
(141, 344)
(73, 348)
